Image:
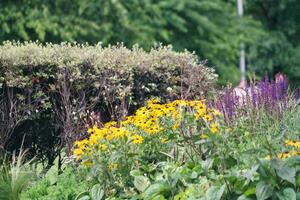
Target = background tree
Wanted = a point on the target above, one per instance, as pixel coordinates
(279, 50)
(210, 28)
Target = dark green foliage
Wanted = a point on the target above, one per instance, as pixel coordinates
(279, 49)
(41, 138)
(210, 28)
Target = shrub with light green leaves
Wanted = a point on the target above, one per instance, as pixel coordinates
(69, 80)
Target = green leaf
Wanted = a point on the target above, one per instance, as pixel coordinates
(206, 165)
(135, 173)
(287, 194)
(243, 197)
(194, 175)
(230, 161)
(85, 198)
(287, 173)
(250, 191)
(158, 197)
(263, 191)
(96, 192)
(156, 189)
(141, 183)
(215, 193)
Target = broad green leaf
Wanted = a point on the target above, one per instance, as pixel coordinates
(96, 192)
(250, 191)
(215, 193)
(135, 173)
(194, 175)
(141, 183)
(156, 189)
(263, 191)
(206, 165)
(287, 194)
(287, 173)
(158, 197)
(243, 197)
(85, 198)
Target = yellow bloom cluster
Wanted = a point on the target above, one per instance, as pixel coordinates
(288, 154)
(293, 143)
(291, 153)
(148, 120)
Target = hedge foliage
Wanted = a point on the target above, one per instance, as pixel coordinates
(70, 80)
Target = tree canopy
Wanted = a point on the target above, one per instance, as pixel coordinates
(212, 29)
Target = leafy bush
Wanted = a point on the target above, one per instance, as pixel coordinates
(65, 186)
(68, 80)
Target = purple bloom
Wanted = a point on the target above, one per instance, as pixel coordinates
(272, 96)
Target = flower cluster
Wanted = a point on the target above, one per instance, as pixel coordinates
(146, 122)
(293, 144)
(272, 96)
(290, 153)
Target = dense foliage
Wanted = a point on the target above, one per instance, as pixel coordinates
(185, 157)
(210, 28)
(49, 93)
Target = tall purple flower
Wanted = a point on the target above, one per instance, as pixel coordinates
(272, 96)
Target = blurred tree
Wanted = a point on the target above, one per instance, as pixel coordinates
(279, 49)
(210, 28)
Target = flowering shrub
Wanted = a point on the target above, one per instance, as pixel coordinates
(155, 132)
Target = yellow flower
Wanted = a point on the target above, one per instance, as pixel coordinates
(109, 137)
(176, 126)
(87, 163)
(110, 124)
(214, 128)
(288, 154)
(216, 112)
(268, 157)
(112, 166)
(137, 139)
(199, 113)
(247, 134)
(153, 101)
(200, 106)
(293, 143)
(163, 140)
(90, 130)
(203, 136)
(119, 132)
(284, 155)
(208, 117)
(78, 152)
(103, 147)
(93, 139)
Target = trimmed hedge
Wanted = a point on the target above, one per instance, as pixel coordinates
(69, 80)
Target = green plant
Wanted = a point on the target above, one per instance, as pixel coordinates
(276, 179)
(65, 186)
(14, 177)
